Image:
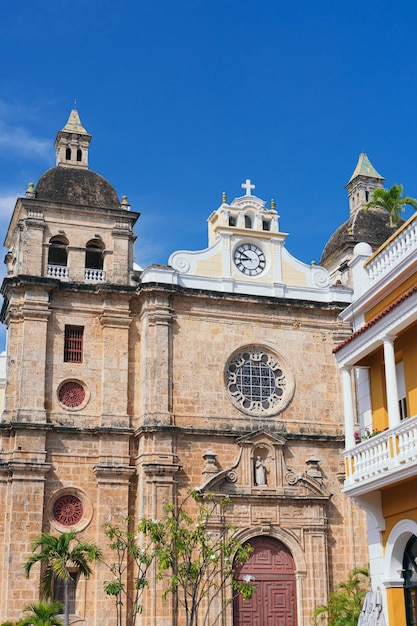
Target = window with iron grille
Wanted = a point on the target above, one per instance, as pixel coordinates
(59, 591)
(73, 344)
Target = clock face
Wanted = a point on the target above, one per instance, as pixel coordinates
(249, 259)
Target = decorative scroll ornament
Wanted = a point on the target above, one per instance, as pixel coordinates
(68, 510)
(257, 384)
(291, 478)
(321, 277)
(231, 477)
(71, 394)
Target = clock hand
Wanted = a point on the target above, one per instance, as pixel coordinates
(245, 256)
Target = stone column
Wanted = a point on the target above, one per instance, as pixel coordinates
(348, 407)
(391, 382)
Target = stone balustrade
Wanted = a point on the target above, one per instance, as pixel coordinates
(90, 275)
(94, 276)
(384, 453)
(58, 271)
(393, 252)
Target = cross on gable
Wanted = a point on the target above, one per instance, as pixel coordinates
(248, 187)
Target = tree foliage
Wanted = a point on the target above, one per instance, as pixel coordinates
(392, 201)
(196, 555)
(58, 556)
(130, 556)
(42, 614)
(344, 604)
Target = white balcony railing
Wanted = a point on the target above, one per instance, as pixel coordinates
(58, 271)
(393, 252)
(94, 276)
(382, 454)
(90, 275)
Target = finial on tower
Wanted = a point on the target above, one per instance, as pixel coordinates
(125, 203)
(30, 191)
(272, 205)
(224, 197)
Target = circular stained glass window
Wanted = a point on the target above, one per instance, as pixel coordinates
(257, 383)
(68, 510)
(71, 394)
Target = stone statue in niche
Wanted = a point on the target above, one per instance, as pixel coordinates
(260, 471)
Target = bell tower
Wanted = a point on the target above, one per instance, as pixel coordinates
(363, 181)
(72, 143)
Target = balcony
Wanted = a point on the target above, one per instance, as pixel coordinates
(397, 248)
(383, 459)
(94, 276)
(90, 275)
(58, 271)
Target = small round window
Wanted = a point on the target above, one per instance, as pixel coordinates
(68, 510)
(258, 382)
(71, 394)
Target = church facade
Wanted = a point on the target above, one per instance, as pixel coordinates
(125, 388)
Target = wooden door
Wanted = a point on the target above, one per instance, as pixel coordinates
(274, 601)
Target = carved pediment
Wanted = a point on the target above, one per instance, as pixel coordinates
(261, 470)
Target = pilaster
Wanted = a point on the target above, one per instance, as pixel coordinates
(115, 321)
(157, 318)
(24, 504)
(113, 483)
(25, 387)
(157, 466)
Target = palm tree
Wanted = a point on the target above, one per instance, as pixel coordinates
(58, 555)
(392, 201)
(42, 614)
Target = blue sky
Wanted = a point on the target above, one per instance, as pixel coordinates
(187, 99)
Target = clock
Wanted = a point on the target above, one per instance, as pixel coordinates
(249, 259)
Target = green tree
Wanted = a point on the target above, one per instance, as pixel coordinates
(42, 614)
(392, 201)
(344, 604)
(58, 555)
(132, 557)
(196, 555)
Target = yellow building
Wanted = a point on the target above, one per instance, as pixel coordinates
(379, 359)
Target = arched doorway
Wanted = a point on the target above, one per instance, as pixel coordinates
(410, 581)
(274, 602)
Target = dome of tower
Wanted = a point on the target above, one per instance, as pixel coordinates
(76, 186)
(372, 227)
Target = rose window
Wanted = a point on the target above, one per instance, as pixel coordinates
(68, 510)
(71, 394)
(257, 383)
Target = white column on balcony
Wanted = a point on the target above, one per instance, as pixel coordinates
(391, 382)
(348, 406)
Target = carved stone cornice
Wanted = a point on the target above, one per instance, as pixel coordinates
(113, 474)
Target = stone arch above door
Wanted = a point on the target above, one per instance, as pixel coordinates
(271, 569)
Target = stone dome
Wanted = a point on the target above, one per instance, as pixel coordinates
(76, 186)
(370, 226)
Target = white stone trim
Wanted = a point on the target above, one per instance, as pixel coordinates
(394, 552)
(392, 323)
